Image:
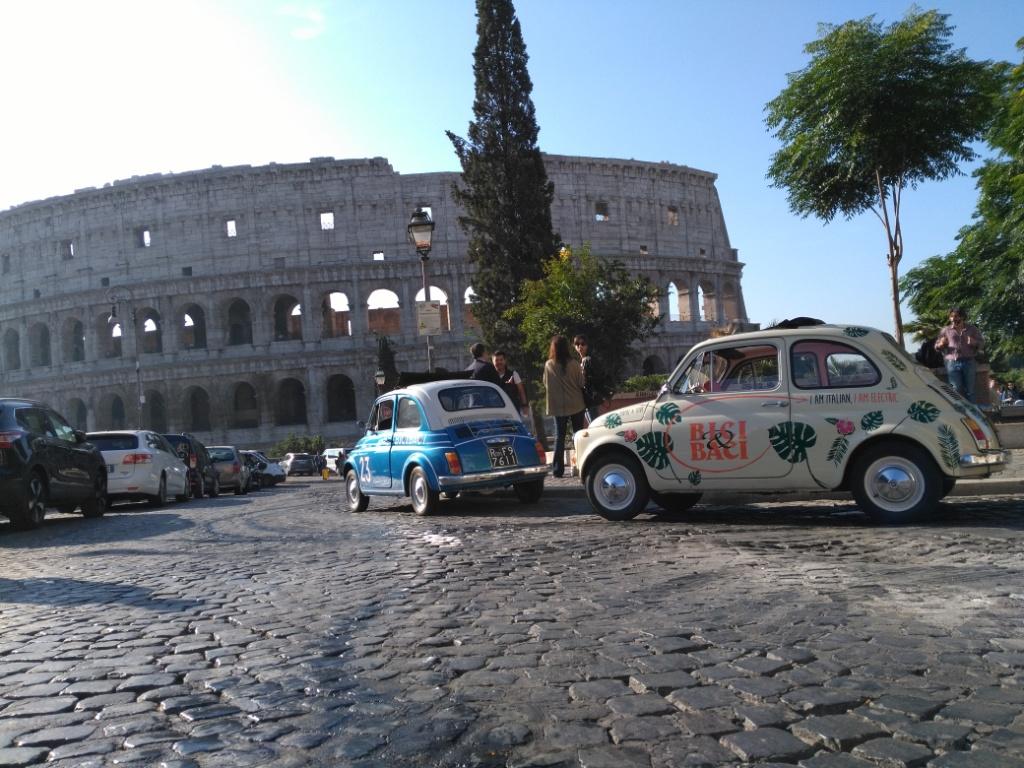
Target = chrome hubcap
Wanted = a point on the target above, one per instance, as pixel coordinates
(895, 483)
(616, 488)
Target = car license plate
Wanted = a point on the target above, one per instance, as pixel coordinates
(502, 456)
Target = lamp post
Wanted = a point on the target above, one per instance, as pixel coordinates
(112, 321)
(421, 230)
(379, 379)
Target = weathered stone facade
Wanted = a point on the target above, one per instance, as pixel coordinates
(243, 292)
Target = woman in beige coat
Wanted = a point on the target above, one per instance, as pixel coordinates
(563, 382)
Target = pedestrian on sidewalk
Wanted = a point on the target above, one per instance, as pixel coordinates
(594, 390)
(563, 385)
(481, 368)
(511, 382)
(959, 343)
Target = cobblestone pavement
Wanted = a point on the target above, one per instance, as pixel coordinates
(275, 630)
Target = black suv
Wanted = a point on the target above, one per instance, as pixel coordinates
(202, 474)
(44, 462)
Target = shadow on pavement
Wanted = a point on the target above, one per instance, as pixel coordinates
(60, 530)
(67, 591)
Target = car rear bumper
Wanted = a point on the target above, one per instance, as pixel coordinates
(496, 477)
(995, 459)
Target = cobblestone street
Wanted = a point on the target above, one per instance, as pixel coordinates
(276, 630)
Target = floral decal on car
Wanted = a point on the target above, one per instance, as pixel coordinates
(894, 361)
(694, 477)
(668, 414)
(855, 332)
(612, 420)
(841, 444)
(949, 446)
(791, 439)
(653, 448)
(923, 411)
(871, 421)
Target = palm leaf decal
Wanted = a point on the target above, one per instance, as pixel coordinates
(894, 361)
(668, 414)
(612, 420)
(949, 446)
(855, 332)
(871, 421)
(838, 450)
(694, 477)
(654, 448)
(923, 411)
(791, 439)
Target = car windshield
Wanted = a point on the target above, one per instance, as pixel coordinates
(125, 442)
(470, 397)
(222, 454)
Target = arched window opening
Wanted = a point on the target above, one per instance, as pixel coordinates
(192, 327)
(154, 412)
(39, 345)
(117, 419)
(341, 399)
(730, 302)
(707, 305)
(74, 341)
(239, 323)
(197, 410)
(468, 318)
(77, 414)
(287, 319)
(12, 350)
(383, 312)
(245, 409)
(653, 365)
(291, 402)
(337, 317)
(673, 303)
(152, 334)
(436, 294)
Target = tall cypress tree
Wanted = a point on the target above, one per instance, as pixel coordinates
(505, 189)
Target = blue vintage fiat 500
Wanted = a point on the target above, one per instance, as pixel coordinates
(443, 437)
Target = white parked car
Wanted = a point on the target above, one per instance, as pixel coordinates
(142, 465)
(330, 457)
(273, 472)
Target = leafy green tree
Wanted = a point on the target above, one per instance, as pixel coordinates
(311, 444)
(985, 273)
(505, 189)
(583, 293)
(876, 110)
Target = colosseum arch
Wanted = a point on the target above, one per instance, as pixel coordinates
(653, 364)
(151, 326)
(730, 302)
(112, 413)
(39, 345)
(239, 323)
(197, 410)
(287, 318)
(290, 402)
(468, 318)
(436, 294)
(245, 407)
(73, 340)
(154, 412)
(191, 322)
(673, 303)
(341, 398)
(12, 350)
(337, 315)
(77, 414)
(707, 302)
(384, 312)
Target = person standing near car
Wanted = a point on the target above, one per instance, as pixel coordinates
(959, 343)
(563, 385)
(511, 382)
(593, 382)
(481, 368)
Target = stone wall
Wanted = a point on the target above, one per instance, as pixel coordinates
(205, 270)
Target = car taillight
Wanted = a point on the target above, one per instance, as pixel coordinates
(8, 439)
(192, 461)
(541, 453)
(236, 468)
(976, 431)
(454, 465)
(137, 458)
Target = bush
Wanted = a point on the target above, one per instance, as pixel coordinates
(311, 444)
(644, 383)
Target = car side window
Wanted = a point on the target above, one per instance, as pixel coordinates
(748, 368)
(408, 414)
(383, 414)
(831, 364)
(61, 428)
(32, 420)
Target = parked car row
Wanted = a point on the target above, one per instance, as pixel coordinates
(45, 463)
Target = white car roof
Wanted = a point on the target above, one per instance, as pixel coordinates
(439, 418)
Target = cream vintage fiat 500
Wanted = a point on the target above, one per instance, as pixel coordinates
(796, 407)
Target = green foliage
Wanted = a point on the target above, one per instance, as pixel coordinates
(985, 273)
(583, 293)
(645, 383)
(311, 444)
(791, 439)
(505, 190)
(654, 448)
(877, 109)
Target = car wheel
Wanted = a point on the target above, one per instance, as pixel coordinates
(674, 505)
(616, 487)
(214, 490)
(895, 482)
(97, 504)
(161, 494)
(424, 498)
(33, 509)
(186, 494)
(239, 490)
(357, 501)
(530, 491)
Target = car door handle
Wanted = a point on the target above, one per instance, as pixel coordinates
(775, 404)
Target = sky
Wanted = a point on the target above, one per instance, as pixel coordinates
(107, 89)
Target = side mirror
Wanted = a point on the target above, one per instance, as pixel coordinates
(79, 436)
(361, 426)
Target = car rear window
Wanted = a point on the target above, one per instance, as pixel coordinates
(114, 442)
(221, 454)
(469, 398)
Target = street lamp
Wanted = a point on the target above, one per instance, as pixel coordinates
(380, 378)
(421, 231)
(112, 320)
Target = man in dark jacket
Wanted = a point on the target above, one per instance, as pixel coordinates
(481, 368)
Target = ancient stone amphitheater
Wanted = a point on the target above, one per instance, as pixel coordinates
(247, 300)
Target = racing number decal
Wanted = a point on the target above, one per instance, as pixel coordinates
(364, 471)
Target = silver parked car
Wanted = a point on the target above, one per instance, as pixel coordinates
(231, 468)
(298, 464)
